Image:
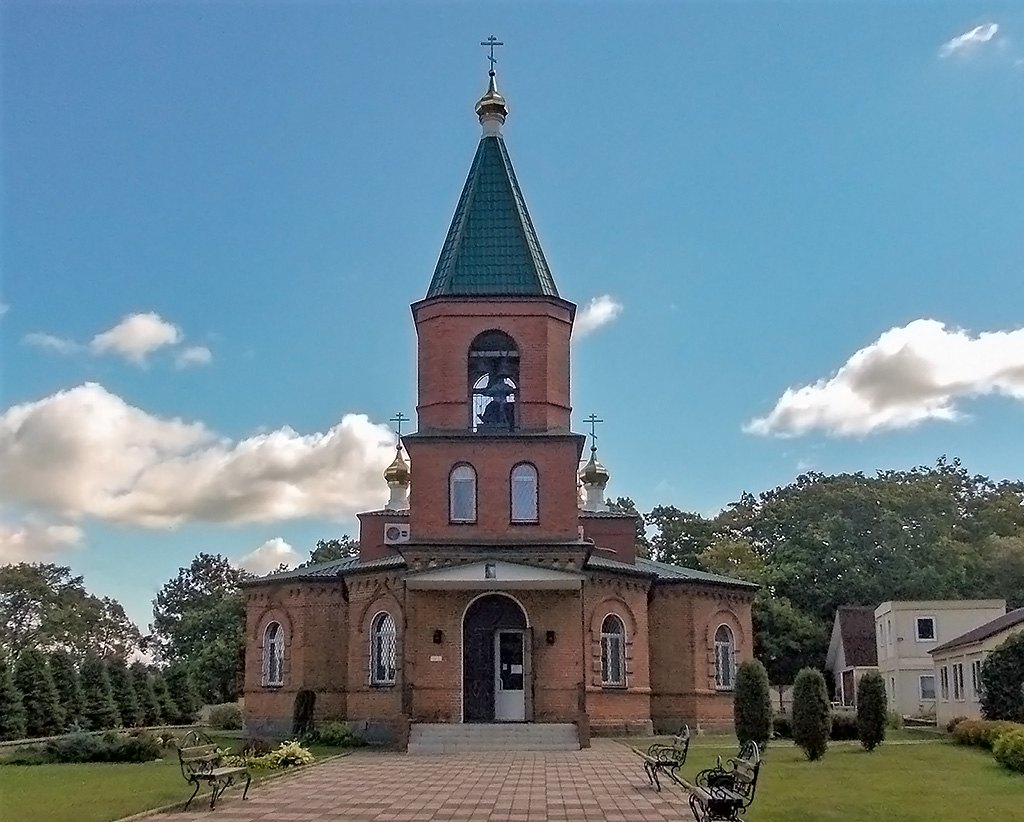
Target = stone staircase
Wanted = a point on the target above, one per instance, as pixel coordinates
(430, 738)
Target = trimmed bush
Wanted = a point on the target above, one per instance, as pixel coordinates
(752, 705)
(12, 709)
(123, 688)
(1009, 750)
(99, 711)
(782, 726)
(44, 715)
(844, 726)
(1002, 672)
(956, 720)
(226, 717)
(872, 710)
(69, 687)
(983, 733)
(811, 714)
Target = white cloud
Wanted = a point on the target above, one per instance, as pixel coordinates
(34, 541)
(49, 342)
(193, 355)
(86, 452)
(969, 41)
(909, 374)
(596, 314)
(4, 308)
(269, 556)
(136, 337)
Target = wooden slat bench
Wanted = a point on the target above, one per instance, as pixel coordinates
(201, 762)
(662, 757)
(724, 792)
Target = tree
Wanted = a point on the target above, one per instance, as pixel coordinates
(146, 695)
(328, 550)
(786, 639)
(872, 710)
(12, 710)
(44, 715)
(168, 710)
(625, 505)
(812, 719)
(752, 706)
(199, 622)
(123, 689)
(680, 536)
(100, 709)
(1002, 681)
(69, 687)
(183, 694)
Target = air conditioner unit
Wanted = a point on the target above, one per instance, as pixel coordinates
(396, 532)
(581, 533)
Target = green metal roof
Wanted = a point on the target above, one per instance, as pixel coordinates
(491, 247)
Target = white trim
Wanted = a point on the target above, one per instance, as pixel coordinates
(385, 683)
(624, 682)
(935, 629)
(269, 644)
(461, 672)
(731, 644)
(920, 688)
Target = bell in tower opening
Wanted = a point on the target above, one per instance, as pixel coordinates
(494, 381)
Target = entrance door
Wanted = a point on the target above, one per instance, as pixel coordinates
(509, 677)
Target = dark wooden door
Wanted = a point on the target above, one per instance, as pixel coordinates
(483, 619)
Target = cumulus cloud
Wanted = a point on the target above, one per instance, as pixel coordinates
(269, 556)
(969, 41)
(35, 541)
(136, 337)
(49, 342)
(193, 355)
(85, 452)
(909, 374)
(596, 314)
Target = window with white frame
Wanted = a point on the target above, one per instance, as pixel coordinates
(273, 656)
(613, 652)
(958, 680)
(924, 629)
(944, 683)
(926, 686)
(725, 658)
(975, 679)
(524, 493)
(383, 649)
(462, 494)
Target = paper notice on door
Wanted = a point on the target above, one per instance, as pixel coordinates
(517, 669)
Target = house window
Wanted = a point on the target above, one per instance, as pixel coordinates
(524, 493)
(975, 679)
(725, 658)
(958, 680)
(383, 649)
(462, 494)
(944, 683)
(888, 632)
(613, 652)
(927, 687)
(925, 628)
(273, 656)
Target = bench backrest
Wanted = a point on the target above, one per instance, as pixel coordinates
(197, 759)
(745, 768)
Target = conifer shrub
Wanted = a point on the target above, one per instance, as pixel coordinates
(69, 687)
(872, 710)
(811, 713)
(182, 694)
(12, 710)
(168, 710)
(1002, 672)
(142, 682)
(752, 705)
(44, 715)
(100, 710)
(123, 688)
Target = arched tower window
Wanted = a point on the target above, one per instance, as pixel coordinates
(383, 649)
(725, 658)
(462, 494)
(523, 483)
(613, 651)
(494, 382)
(273, 655)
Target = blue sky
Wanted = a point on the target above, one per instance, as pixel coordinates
(803, 221)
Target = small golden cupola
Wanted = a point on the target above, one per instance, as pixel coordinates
(594, 477)
(398, 477)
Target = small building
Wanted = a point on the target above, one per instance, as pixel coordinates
(905, 634)
(957, 665)
(851, 650)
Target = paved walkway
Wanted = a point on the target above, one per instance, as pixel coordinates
(605, 783)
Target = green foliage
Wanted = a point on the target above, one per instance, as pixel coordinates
(12, 710)
(811, 714)
(328, 550)
(226, 717)
(782, 727)
(1009, 750)
(110, 747)
(99, 710)
(983, 733)
(336, 735)
(123, 687)
(183, 694)
(956, 720)
(872, 710)
(303, 713)
(69, 687)
(286, 755)
(786, 639)
(1002, 675)
(44, 715)
(843, 726)
(681, 537)
(752, 707)
(168, 710)
(145, 694)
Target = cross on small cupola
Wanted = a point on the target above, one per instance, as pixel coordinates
(594, 475)
(491, 108)
(398, 475)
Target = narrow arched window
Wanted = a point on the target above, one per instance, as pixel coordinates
(462, 494)
(493, 372)
(524, 493)
(613, 652)
(273, 655)
(383, 649)
(725, 658)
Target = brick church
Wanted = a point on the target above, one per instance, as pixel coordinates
(495, 586)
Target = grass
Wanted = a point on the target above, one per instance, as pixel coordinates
(100, 792)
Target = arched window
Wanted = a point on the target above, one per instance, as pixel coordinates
(273, 655)
(383, 649)
(725, 658)
(613, 651)
(462, 494)
(493, 370)
(524, 493)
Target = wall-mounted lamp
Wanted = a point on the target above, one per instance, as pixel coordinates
(438, 636)
(550, 637)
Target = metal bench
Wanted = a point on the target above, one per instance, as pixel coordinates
(724, 792)
(662, 757)
(202, 762)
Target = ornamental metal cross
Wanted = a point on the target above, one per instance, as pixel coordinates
(492, 41)
(398, 419)
(593, 420)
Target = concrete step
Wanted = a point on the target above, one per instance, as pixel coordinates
(435, 738)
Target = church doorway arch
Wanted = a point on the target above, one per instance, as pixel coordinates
(496, 666)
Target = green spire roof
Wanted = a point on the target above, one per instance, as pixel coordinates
(491, 248)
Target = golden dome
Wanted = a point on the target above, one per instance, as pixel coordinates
(593, 472)
(492, 102)
(398, 471)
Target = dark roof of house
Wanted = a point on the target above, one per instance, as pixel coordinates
(857, 632)
(491, 248)
(983, 632)
(329, 570)
(664, 572)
